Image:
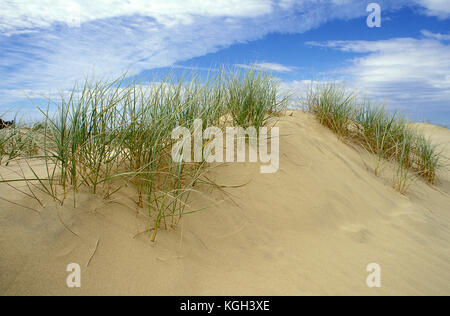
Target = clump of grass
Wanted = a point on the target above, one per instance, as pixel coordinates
(403, 153)
(17, 142)
(333, 106)
(253, 98)
(428, 158)
(379, 131)
(109, 134)
(387, 135)
(402, 178)
(5, 138)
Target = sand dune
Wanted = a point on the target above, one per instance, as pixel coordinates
(309, 229)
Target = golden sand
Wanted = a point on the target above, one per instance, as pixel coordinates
(310, 229)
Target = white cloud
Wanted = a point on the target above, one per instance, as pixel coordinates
(409, 73)
(268, 67)
(41, 53)
(26, 14)
(136, 35)
(439, 8)
(438, 36)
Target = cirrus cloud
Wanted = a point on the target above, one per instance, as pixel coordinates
(42, 52)
(268, 67)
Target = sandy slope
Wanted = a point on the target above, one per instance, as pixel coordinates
(312, 228)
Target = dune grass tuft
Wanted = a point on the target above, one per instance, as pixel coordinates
(333, 106)
(107, 135)
(253, 98)
(387, 135)
(428, 159)
(16, 142)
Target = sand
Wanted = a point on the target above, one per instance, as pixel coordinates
(310, 229)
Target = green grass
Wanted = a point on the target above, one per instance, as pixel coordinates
(16, 142)
(428, 158)
(332, 105)
(253, 98)
(107, 135)
(387, 135)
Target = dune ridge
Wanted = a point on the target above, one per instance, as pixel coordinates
(309, 229)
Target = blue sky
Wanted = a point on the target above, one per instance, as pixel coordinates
(48, 45)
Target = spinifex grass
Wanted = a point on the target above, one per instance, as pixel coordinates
(111, 132)
(385, 134)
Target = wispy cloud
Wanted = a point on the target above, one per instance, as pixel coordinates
(407, 72)
(438, 8)
(274, 67)
(24, 14)
(438, 36)
(42, 51)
